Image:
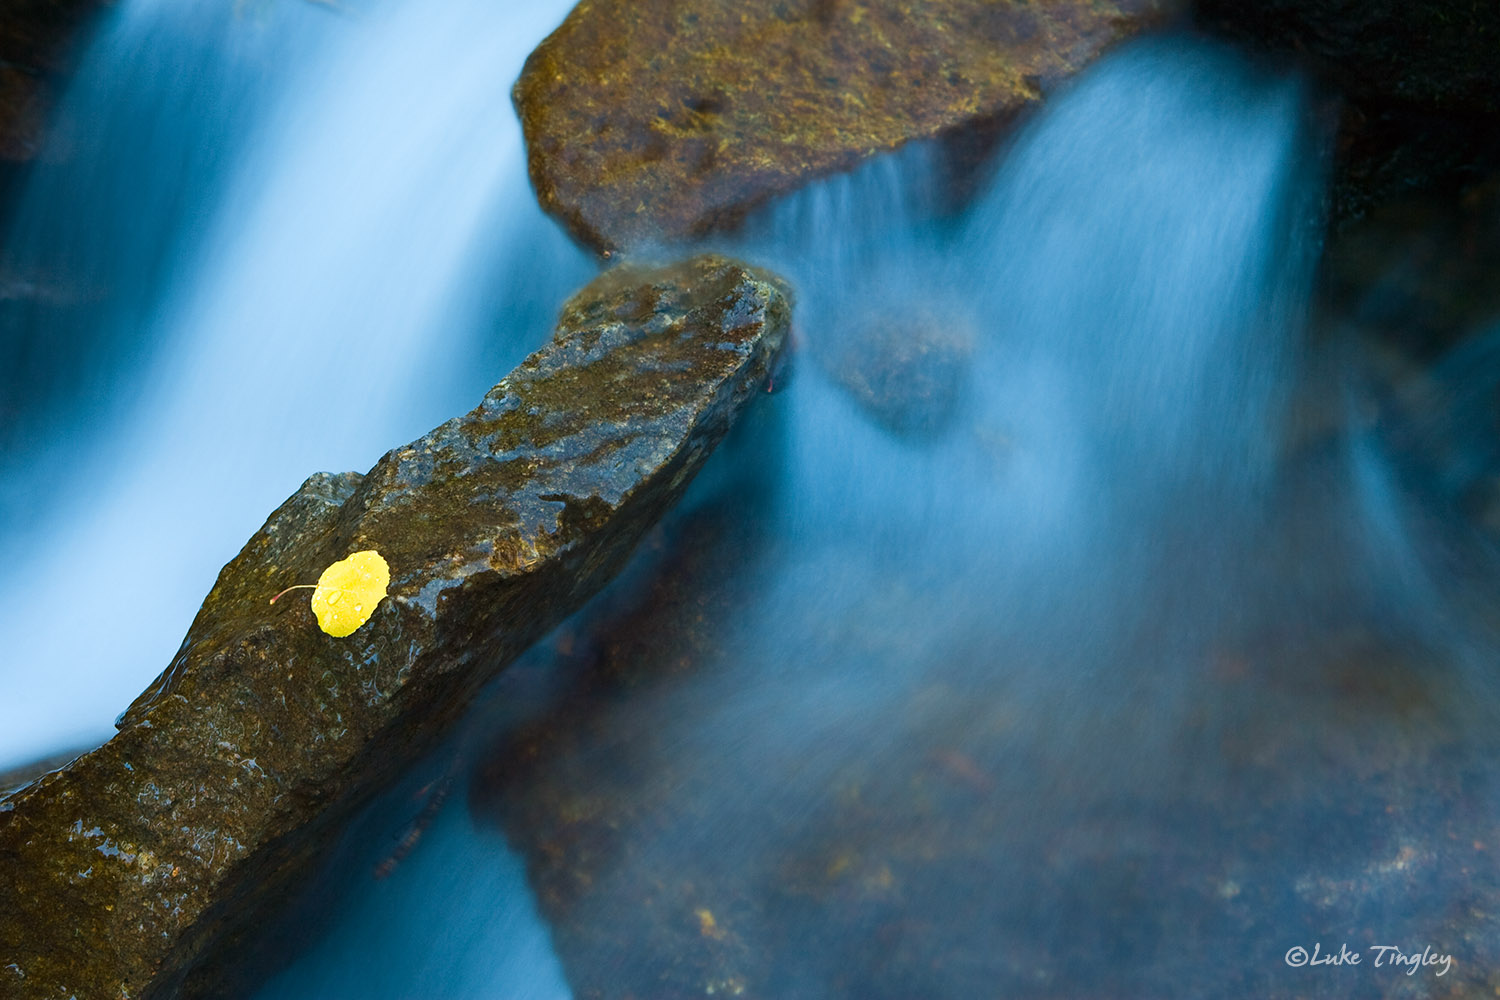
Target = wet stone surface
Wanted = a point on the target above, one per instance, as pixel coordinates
(138, 869)
(905, 367)
(649, 123)
(776, 766)
(15, 777)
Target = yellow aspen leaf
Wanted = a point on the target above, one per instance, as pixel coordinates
(347, 592)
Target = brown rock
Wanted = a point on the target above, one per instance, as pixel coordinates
(649, 122)
(135, 870)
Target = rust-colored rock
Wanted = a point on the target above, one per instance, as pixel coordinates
(663, 121)
(136, 870)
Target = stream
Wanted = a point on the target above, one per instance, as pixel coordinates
(1060, 625)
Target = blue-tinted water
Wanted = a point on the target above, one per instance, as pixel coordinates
(322, 244)
(454, 919)
(1029, 499)
(278, 238)
(1027, 641)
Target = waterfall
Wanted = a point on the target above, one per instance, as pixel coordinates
(1122, 312)
(1018, 628)
(1026, 624)
(369, 262)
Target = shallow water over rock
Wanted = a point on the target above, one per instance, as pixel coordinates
(1113, 686)
(1067, 622)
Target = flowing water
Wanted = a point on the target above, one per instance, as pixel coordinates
(322, 244)
(1029, 639)
(1038, 637)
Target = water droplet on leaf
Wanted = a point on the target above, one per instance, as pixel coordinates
(363, 577)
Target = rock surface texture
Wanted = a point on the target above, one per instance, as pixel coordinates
(659, 122)
(129, 870)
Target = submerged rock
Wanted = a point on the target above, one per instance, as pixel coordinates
(1413, 285)
(647, 122)
(136, 870)
(23, 101)
(753, 775)
(906, 368)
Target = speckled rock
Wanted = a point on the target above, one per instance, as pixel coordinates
(649, 122)
(127, 872)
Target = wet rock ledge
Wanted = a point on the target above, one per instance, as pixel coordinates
(660, 122)
(129, 870)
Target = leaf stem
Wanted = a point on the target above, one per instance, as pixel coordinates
(300, 586)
